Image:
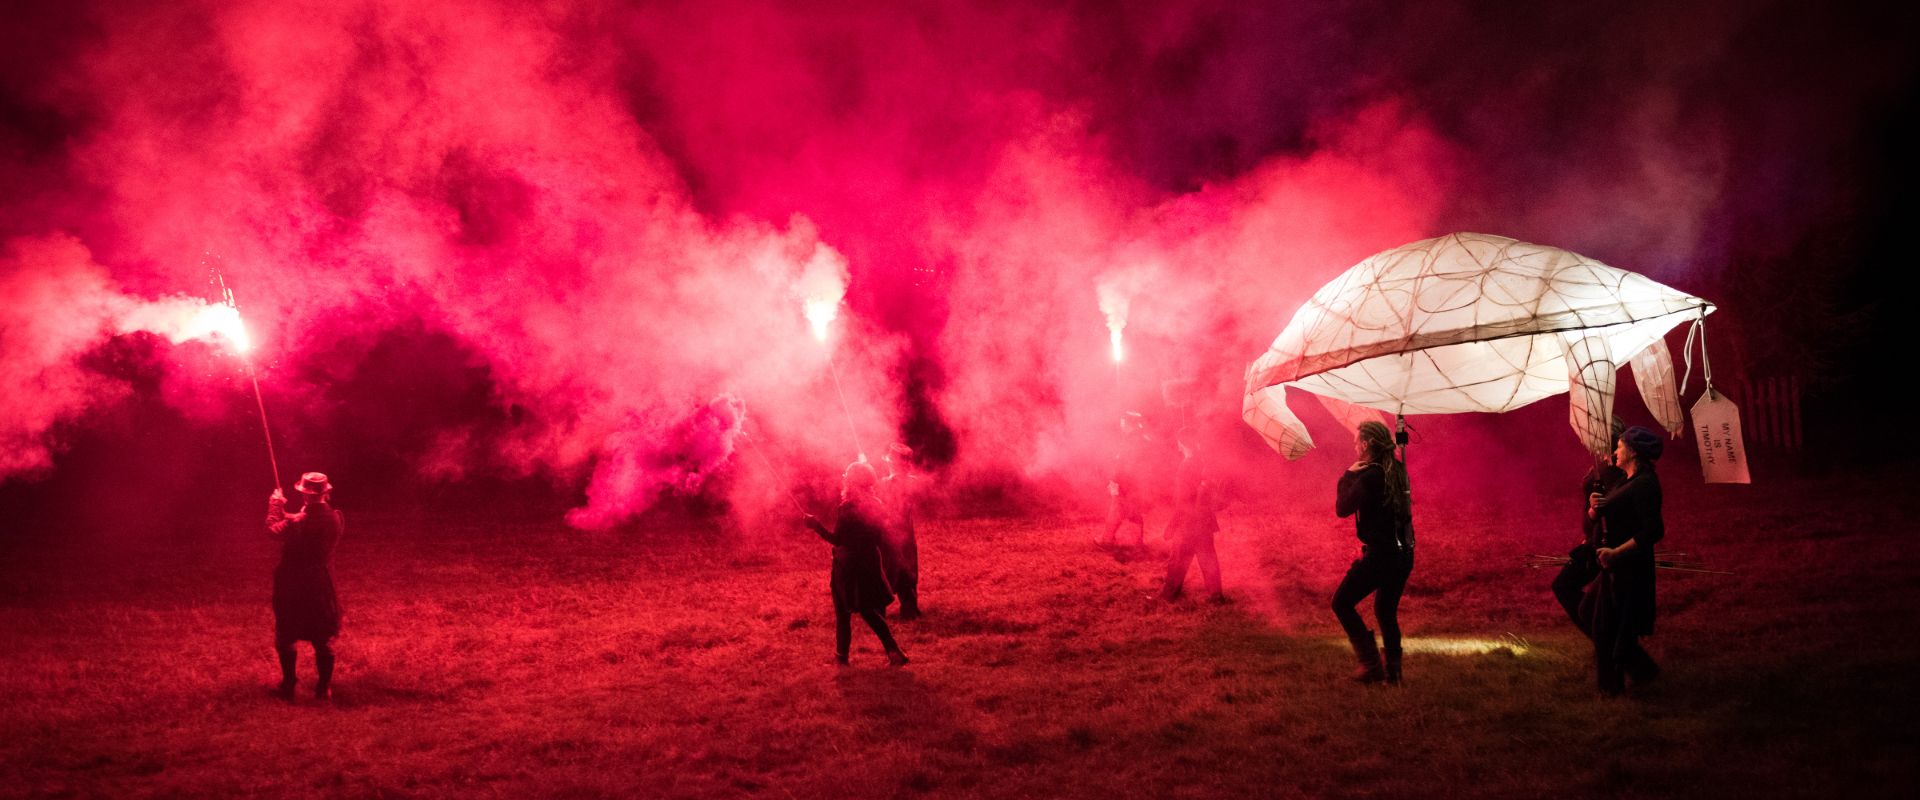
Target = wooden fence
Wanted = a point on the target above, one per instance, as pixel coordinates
(1770, 412)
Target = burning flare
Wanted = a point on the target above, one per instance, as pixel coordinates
(820, 314)
(821, 286)
(1116, 299)
(182, 318)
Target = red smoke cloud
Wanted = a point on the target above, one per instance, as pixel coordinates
(618, 213)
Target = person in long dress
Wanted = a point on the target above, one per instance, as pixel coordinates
(858, 584)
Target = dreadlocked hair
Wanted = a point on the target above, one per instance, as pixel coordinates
(1380, 447)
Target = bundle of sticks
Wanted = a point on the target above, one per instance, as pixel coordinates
(1678, 562)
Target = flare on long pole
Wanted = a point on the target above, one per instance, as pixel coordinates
(273, 463)
(820, 314)
(242, 345)
(779, 476)
(844, 408)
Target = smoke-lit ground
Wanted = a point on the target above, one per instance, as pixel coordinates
(490, 658)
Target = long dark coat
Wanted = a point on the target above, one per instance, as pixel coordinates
(305, 605)
(858, 583)
(1626, 588)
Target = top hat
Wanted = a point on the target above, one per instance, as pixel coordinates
(313, 483)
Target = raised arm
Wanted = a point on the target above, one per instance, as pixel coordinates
(814, 524)
(277, 517)
(1359, 488)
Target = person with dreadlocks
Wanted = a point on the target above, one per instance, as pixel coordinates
(859, 586)
(1619, 606)
(1375, 493)
(1570, 586)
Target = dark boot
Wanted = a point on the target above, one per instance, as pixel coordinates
(896, 658)
(287, 658)
(323, 658)
(1639, 666)
(323, 661)
(1368, 654)
(1393, 665)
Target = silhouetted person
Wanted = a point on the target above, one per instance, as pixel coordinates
(1374, 492)
(1620, 605)
(899, 546)
(859, 586)
(1190, 531)
(1570, 586)
(1126, 484)
(305, 606)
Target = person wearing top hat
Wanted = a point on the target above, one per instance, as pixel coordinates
(305, 606)
(1619, 605)
(859, 585)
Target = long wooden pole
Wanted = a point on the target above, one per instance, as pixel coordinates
(272, 461)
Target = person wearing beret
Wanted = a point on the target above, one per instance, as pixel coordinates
(305, 605)
(858, 583)
(1619, 606)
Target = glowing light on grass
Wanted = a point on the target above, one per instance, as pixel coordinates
(1450, 646)
(1113, 335)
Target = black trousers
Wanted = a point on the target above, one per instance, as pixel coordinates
(1383, 575)
(1570, 588)
(322, 659)
(843, 630)
(1190, 547)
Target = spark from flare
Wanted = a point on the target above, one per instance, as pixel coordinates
(1116, 293)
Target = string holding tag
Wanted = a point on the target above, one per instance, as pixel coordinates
(1716, 420)
(1697, 332)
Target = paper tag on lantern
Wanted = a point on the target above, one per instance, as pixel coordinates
(1723, 454)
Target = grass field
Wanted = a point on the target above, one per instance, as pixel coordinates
(494, 659)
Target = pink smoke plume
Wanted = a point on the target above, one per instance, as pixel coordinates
(651, 456)
(60, 305)
(618, 214)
